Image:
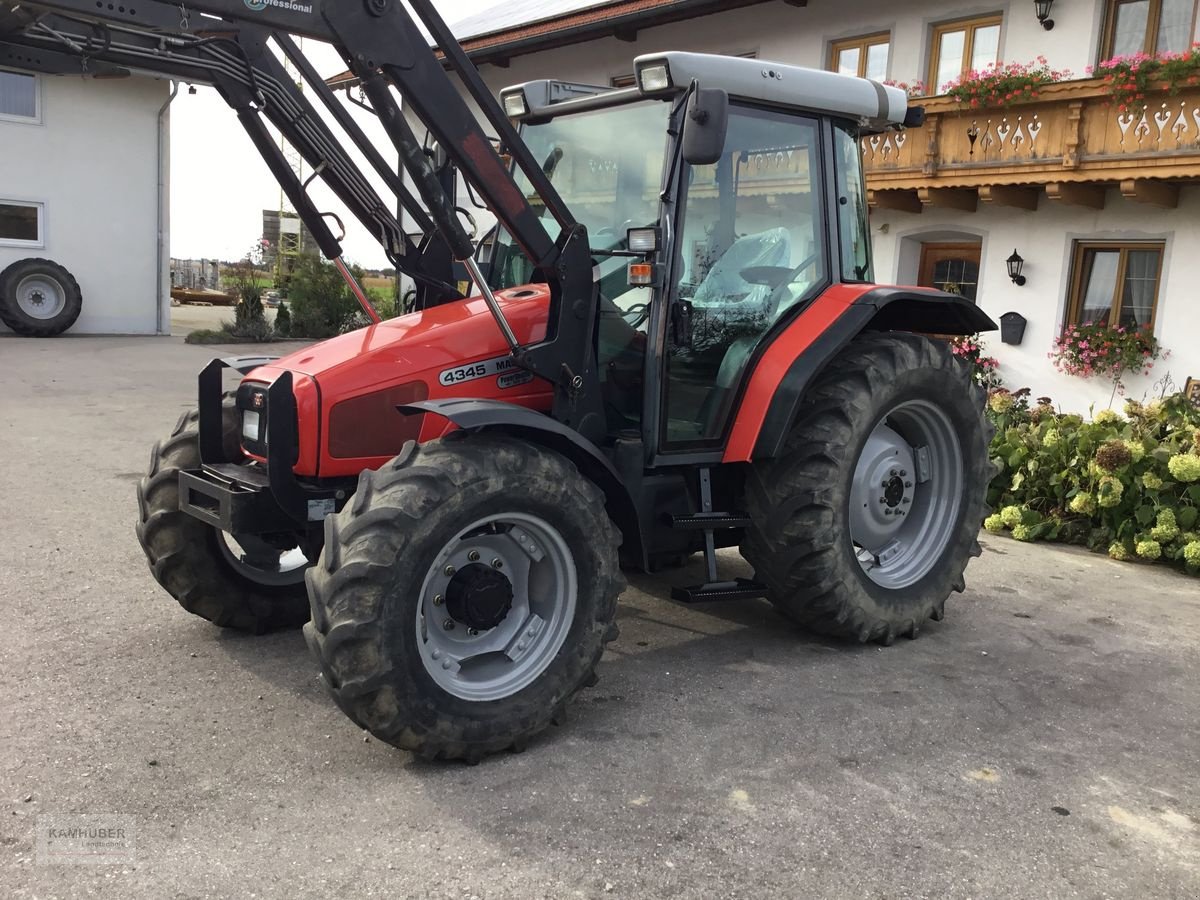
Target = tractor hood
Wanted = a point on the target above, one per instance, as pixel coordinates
(411, 346)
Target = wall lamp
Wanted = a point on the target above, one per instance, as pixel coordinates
(1042, 8)
(1015, 265)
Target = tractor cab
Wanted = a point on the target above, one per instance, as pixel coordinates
(721, 197)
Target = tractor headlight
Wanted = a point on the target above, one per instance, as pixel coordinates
(515, 105)
(642, 240)
(251, 424)
(654, 77)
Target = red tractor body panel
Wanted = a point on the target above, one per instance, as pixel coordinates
(348, 387)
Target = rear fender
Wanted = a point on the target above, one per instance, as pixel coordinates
(538, 428)
(874, 309)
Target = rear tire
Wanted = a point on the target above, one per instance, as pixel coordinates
(386, 608)
(193, 561)
(806, 505)
(39, 298)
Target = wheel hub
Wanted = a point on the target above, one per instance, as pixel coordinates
(907, 490)
(41, 296)
(883, 488)
(893, 493)
(479, 597)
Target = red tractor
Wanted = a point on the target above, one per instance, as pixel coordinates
(673, 344)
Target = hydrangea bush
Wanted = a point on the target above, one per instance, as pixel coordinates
(1125, 484)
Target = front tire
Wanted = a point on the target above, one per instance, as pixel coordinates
(864, 525)
(199, 566)
(465, 595)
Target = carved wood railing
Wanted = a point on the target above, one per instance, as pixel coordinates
(1074, 135)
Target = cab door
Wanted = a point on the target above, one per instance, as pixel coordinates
(751, 247)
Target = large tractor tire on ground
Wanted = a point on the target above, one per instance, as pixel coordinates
(239, 582)
(464, 595)
(39, 298)
(864, 525)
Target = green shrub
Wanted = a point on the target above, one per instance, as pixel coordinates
(322, 304)
(1126, 485)
(209, 336)
(257, 331)
(283, 321)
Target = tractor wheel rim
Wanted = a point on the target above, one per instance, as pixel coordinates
(906, 495)
(257, 561)
(496, 606)
(41, 297)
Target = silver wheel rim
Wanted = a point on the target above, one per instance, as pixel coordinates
(480, 663)
(906, 495)
(258, 561)
(41, 297)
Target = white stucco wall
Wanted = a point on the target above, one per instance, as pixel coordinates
(1044, 238)
(93, 162)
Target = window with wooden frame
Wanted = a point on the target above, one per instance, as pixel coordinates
(866, 57)
(1115, 284)
(1147, 26)
(963, 46)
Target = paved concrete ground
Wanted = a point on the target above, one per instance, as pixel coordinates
(1041, 742)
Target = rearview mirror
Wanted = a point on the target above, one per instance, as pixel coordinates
(705, 126)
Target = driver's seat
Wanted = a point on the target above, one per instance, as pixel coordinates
(724, 286)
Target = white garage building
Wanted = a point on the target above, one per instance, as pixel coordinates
(84, 166)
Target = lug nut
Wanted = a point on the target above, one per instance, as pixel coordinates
(883, 484)
(906, 500)
(887, 512)
(438, 599)
(449, 570)
(448, 625)
(473, 632)
(883, 501)
(497, 563)
(895, 472)
(903, 474)
(908, 484)
(473, 556)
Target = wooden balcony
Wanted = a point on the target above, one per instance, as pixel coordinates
(1072, 143)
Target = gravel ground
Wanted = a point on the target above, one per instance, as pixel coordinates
(1041, 742)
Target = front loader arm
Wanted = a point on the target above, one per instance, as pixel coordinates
(225, 43)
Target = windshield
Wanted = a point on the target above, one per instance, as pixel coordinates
(608, 167)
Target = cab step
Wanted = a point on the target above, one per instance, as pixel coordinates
(709, 521)
(716, 592)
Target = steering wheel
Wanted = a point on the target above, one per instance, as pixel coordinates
(636, 315)
(774, 277)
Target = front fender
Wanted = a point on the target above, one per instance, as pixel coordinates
(538, 428)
